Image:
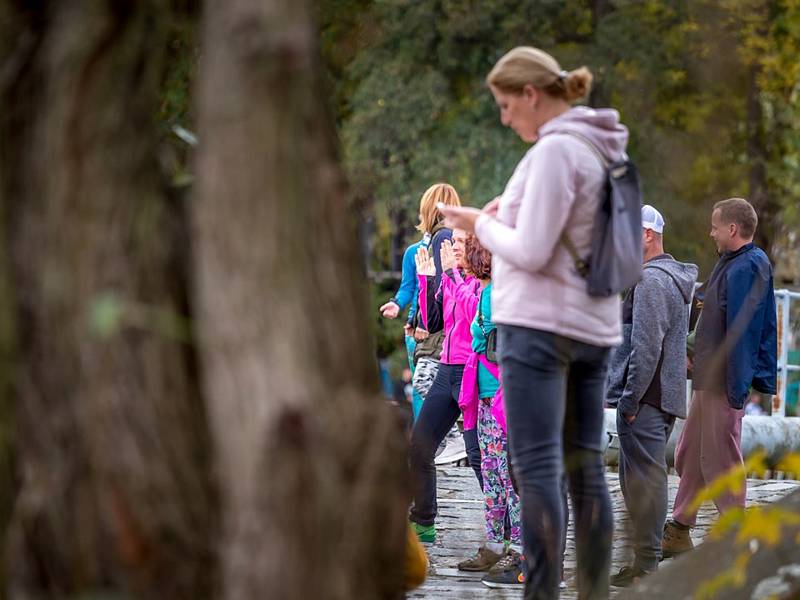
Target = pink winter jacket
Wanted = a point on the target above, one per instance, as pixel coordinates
(451, 307)
(555, 188)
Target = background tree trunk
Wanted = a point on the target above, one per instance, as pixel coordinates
(311, 462)
(759, 196)
(112, 444)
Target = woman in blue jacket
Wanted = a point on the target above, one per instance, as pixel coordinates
(433, 234)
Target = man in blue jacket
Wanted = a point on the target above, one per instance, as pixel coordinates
(735, 349)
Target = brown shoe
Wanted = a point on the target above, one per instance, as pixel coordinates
(676, 540)
(483, 560)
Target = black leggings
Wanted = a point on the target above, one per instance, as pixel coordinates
(439, 412)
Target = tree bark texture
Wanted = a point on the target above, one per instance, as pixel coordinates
(759, 195)
(114, 463)
(310, 461)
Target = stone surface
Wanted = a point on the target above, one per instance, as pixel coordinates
(460, 532)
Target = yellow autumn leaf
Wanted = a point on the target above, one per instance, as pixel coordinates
(790, 463)
(727, 521)
(732, 481)
(761, 525)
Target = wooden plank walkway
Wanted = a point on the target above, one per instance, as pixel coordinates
(460, 532)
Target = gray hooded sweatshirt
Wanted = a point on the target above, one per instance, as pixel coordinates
(653, 336)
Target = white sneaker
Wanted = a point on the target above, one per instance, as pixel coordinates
(453, 451)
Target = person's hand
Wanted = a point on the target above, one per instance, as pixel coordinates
(408, 330)
(425, 264)
(459, 217)
(447, 256)
(689, 363)
(390, 310)
(491, 207)
(630, 419)
(420, 334)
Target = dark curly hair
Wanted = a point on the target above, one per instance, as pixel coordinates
(477, 259)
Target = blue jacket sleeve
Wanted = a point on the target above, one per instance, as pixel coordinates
(408, 282)
(765, 379)
(746, 289)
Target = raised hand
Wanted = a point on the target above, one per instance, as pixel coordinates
(424, 262)
(447, 256)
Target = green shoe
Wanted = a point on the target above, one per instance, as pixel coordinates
(425, 533)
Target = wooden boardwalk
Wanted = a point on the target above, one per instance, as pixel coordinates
(460, 532)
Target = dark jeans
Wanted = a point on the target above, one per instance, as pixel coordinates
(564, 504)
(439, 412)
(643, 478)
(554, 389)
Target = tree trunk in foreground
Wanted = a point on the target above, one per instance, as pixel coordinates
(135, 437)
(114, 487)
(311, 463)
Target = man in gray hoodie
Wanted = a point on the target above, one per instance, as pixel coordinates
(647, 384)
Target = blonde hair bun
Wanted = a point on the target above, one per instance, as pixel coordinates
(578, 84)
(525, 65)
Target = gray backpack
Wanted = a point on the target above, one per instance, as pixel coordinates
(615, 262)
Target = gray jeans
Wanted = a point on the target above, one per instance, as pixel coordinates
(553, 391)
(643, 478)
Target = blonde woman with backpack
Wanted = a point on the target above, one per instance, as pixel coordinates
(553, 337)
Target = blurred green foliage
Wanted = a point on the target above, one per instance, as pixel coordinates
(708, 89)
(410, 99)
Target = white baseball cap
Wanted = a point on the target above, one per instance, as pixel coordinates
(652, 219)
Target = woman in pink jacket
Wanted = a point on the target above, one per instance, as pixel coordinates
(553, 338)
(450, 307)
(481, 401)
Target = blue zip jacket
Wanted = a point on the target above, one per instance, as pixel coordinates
(736, 342)
(409, 288)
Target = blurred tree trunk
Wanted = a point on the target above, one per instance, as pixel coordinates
(757, 157)
(597, 96)
(113, 450)
(310, 461)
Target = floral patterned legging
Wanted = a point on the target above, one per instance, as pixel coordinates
(499, 494)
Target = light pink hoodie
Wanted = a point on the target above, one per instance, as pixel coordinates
(555, 187)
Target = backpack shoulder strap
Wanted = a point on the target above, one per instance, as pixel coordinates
(603, 160)
(581, 265)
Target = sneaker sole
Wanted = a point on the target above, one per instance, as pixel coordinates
(449, 458)
(454, 451)
(495, 585)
